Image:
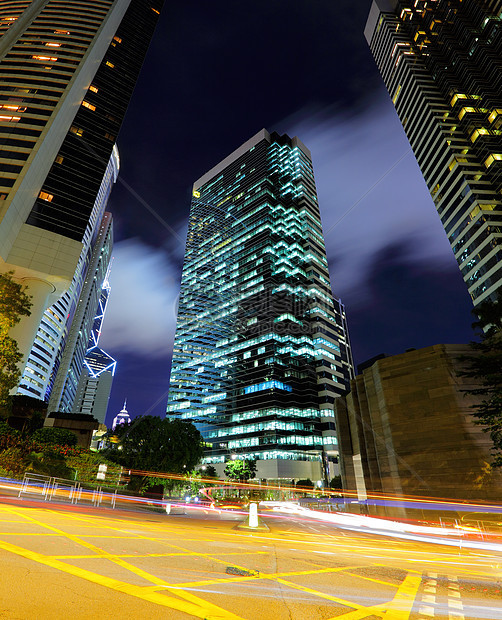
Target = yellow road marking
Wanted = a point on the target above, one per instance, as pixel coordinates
(201, 609)
(148, 555)
(401, 604)
(335, 599)
(27, 534)
(383, 583)
(399, 608)
(67, 534)
(133, 569)
(234, 578)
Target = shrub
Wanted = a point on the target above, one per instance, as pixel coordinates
(47, 464)
(52, 435)
(306, 483)
(12, 460)
(86, 466)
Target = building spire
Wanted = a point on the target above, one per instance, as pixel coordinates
(122, 418)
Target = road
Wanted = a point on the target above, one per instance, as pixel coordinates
(70, 562)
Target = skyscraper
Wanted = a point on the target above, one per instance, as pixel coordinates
(69, 320)
(68, 70)
(261, 348)
(441, 62)
(96, 376)
(72, 359)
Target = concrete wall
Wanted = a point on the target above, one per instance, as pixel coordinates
(410, 426)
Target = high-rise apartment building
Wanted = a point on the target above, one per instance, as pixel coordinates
(441, 61)
(67, 72)
(261, 348)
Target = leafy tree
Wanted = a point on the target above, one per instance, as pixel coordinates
(150, 443)
(169, 485)
(14, 303)
(336, 482)
(208, 471)
(53, 435)
(240, 469)
(485, 366)
(306, 483)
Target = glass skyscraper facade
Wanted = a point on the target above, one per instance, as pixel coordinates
(261, 348)
(96, 376)
(441, 61)
(79, 302)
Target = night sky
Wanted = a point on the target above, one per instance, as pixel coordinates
(217, 72)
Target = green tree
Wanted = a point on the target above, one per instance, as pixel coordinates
(57, 436)
(150, 443)
(240, 469)
(336, 482)
(485, 367)
(14, 303)
(208, 471)
(306, 483)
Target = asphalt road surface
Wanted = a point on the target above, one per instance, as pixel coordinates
(69, 562)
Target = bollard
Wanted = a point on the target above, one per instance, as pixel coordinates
(252, 521)
(253, 515)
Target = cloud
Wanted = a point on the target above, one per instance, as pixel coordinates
(141, 313)
(371, 193)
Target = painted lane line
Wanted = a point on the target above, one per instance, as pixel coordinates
(455, 604)
(426, 611)
(399, 608)
(202, 609)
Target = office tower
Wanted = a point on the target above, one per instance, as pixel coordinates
(442, 64)
(67, 72)
(96, 376)
(79, 302)
(261, 348)
(72, 360)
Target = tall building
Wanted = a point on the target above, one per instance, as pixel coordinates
(95, 381)
(442, 64)
(79, 303)
(261, 349)
(67, 72)
(72, 360)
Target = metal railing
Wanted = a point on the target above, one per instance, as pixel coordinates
(50, 488)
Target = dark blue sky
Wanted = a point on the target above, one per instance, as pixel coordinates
(216, 73)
